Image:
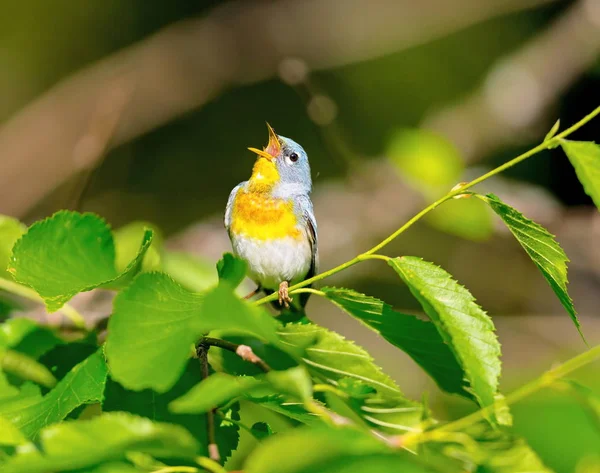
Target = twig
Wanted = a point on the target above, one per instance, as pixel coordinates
(213, 447)
(243, 351)
(457, 190)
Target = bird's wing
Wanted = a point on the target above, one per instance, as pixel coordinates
(229, 208)
(305, 208)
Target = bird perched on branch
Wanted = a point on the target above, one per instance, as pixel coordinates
(271, 223)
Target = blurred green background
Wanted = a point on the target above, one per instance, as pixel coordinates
(386, 129)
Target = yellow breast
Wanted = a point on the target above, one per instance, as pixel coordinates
(257, 215)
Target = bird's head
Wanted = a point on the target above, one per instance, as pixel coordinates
(282, 163)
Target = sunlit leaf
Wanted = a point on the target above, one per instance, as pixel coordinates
(214, 391)
(127, 246)
(541, 247)
(332, 358)
(463, 325)
(220, 388)
(114, 467)
(585, 158)
(83, 385)
(7, 390)
(188, 270)
(9, 434)
(28, 337)
(294, 382)
(418, 338)
(328, 450)
(70, 253)
(82, 444)
(156, 322)
(493, 450)
(267, 398)
(25, 368)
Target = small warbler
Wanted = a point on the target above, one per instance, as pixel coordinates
(271, 223)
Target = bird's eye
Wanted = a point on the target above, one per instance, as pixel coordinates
(293, 157)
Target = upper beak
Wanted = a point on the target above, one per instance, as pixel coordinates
(273, 147)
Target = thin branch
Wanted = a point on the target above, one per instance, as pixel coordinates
(456, 191)
(213, 447)
(243, 351)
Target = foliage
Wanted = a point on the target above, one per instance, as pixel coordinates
(189, 370)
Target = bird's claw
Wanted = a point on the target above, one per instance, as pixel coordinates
(284, 297)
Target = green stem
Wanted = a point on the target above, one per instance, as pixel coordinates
(308, 290)
(545, 380)
(369, 254)
(176, 469)
(28, 293)
(210, 465)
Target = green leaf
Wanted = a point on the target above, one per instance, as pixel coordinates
(83, 385)
(155, 406)
(309, 450)
(261, 430)
(25, 368)
(493, 450)
(585, 158)
(282, 405)
(332, 359)
(10, 231)
(7, 390)
(463, 325)
(9, 434)
(190, 271)
(590, 398)
(156, 322)
(294, 382)
(542, 248)
(70, 253)
(28, 337)
(221, 388)
(83, 444)
(214, 391)
(127, 246)
(231, 270)
(418, 338)
(113, 467)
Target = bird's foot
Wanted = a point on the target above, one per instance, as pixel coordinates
(253, 293)
(284, 297)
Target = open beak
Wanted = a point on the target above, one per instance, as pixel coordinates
(273, 147)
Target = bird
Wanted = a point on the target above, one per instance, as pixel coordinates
(271, 222)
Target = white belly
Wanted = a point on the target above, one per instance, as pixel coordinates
(272, 262)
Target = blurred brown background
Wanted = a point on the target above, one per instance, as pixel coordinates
(143, 111)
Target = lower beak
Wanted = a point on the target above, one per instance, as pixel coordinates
(262, 154)
(273, 147)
